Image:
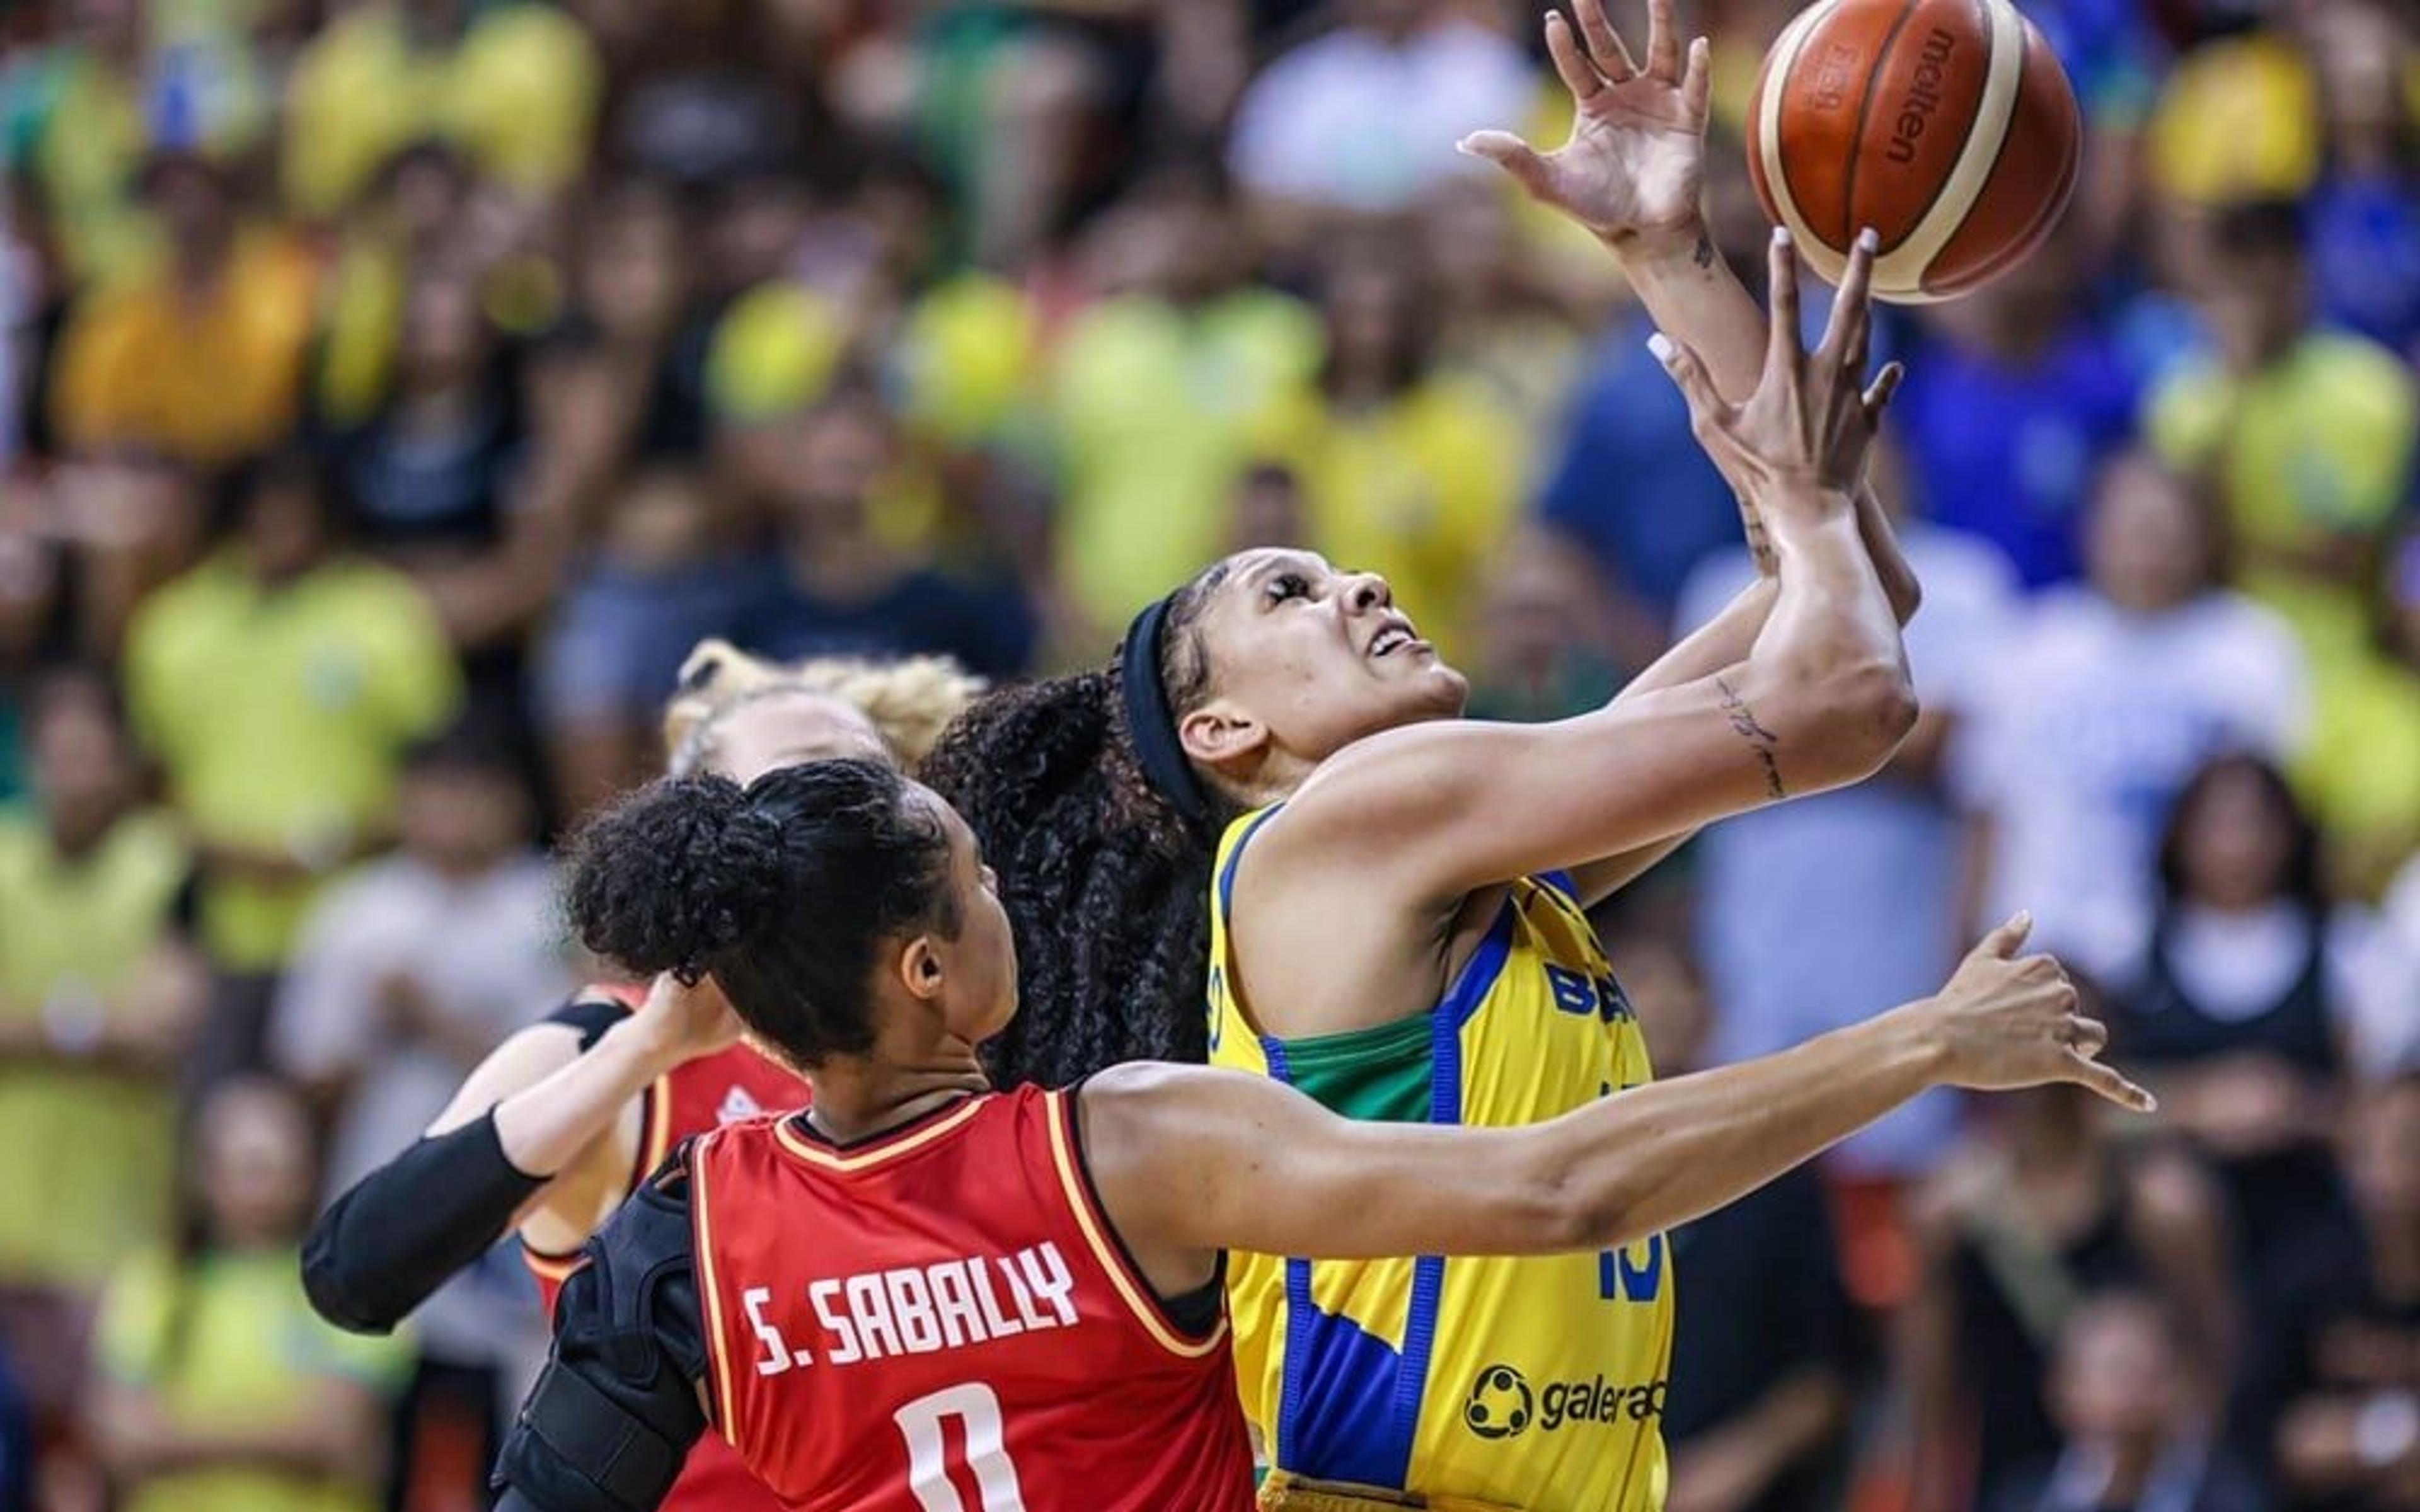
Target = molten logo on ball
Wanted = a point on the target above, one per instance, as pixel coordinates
(1923, 96)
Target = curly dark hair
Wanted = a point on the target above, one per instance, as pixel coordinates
(1106, 883)
(783, 892)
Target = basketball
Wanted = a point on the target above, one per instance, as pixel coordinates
(1946, 125)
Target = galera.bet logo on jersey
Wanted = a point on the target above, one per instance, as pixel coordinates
(1502, 1405)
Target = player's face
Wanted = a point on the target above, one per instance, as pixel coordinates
(979, 994)
(791, 728)
(1305, 660)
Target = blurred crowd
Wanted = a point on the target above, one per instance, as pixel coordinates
(393, 391)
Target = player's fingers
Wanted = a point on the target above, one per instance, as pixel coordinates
(2087, 1037)
(1513, 155)
(1697, 82)
(1782, 351)
(1689, 376)
(2007, 940)
(1605, 45)
(1878, 393)
(2109, 1081)
(1663, 42)
(1845, 332)
(1578, 74)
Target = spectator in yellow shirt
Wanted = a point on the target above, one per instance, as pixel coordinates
(1410, 471)
(99, 996)
(2308, 434)
(200, 357)
(1156, 392)
(220, 1391)
(278, 685)
(514, 88)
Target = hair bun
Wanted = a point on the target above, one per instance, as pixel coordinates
(677, 876)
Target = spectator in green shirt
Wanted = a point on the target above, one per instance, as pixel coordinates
(219, 1390)
(99, 994)
(279, 684)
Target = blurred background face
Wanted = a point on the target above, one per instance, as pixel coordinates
(254, 1165)
(2234, 842)
(2358, 50)
(82, 766)
(1268, 510)
(839, 454)
(2148, 543)
(284, 524)
(2254, 290)
(444, 339)
(632, 280)
(1654, 970)
(1375, 334)
(462, 818)
(193, 206)
(2116, 1375)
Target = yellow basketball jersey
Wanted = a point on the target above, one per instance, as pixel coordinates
(1533, 1383)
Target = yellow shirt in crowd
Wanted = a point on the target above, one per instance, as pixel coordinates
(518, 96)
(2316, 444)
(1153, 407)
(279, 715)
(206, 381)
(232, 1341)
(1421, 489)
(101, 1188)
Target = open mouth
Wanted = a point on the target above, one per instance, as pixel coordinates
(1394, 638)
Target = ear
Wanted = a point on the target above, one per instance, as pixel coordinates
(1221, 735)
(919, 969)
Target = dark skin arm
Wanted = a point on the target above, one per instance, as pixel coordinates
(1190, 1160)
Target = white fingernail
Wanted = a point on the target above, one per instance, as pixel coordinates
(1867, 240)
(1781, 236)
(1660, 345)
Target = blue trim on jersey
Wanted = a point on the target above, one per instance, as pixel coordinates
(1227, 873)
(1561, 882)
(1469, 990)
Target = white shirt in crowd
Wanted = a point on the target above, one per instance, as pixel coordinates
(487, 955)
(2090, 725)
(1352, 120)
(1820, 912)
(2235, 967)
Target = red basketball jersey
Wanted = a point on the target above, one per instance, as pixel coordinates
(942, 1321)
(726, 1087)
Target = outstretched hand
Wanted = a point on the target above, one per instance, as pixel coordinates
(688, 1021)
(2007, 1022)
(1812, 417)
(1635, 162)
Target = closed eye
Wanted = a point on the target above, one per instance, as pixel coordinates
(1286, 585)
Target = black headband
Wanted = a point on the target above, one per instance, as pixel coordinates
(1150, 720)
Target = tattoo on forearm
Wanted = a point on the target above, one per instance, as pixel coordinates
(1703, 253)
(1760, 545)
(1759, 739)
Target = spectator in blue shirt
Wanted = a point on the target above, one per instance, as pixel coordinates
(2024, 395)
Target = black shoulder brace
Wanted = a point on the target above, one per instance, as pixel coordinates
(383, 1246)
(612, 1418)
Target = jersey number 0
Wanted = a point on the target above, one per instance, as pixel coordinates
(928, 1469)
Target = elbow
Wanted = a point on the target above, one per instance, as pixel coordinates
(1572, 1212)
(1866, 711)
(335, 1291)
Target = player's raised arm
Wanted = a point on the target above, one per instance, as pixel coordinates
(1191, 1160)
(1820, 699)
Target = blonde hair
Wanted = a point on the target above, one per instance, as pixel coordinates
(910, 701)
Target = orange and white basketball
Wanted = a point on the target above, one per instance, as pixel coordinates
(1946, 125)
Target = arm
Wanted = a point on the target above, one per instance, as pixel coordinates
(1190, 1160)
(1633, 174)
(1821, 699)
(524, 1139)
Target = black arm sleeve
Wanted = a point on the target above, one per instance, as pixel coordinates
(382, 1248)
(393, 1238)
(612, 1418)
